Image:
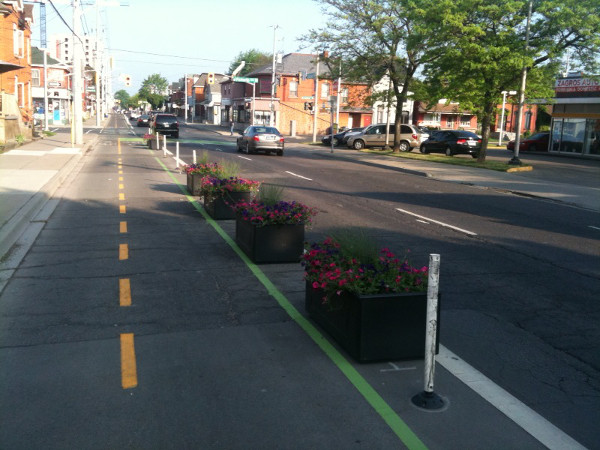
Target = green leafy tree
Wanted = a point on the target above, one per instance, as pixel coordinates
(486, 50)
(123, 97)
(396, 37)
(255, 59)
(155, 84)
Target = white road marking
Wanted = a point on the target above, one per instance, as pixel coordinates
(470, 233)
(534, 424)
(243, 157)
(88, 131)
(595, 228)
(299, 176)
(395, 368)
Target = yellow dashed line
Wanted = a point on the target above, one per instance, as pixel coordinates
(120, 172)
(121, 186)
(120, 178)
(128, 365)
(124, 292)
(123, 227)
(123, 252)
(121, 196)
(122, 209)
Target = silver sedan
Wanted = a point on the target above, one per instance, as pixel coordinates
(265, 138)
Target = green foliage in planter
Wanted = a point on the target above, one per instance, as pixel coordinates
(20, 139)
(270, 194)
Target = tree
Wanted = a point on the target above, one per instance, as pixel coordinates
(255, 59)
(486, 50)
(396, 37)
(155, 84)
(123, 97)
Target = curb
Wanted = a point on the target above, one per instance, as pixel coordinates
(16, 226)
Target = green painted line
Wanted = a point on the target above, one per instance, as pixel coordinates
(398, 426)
(185, 141)
(132, 139)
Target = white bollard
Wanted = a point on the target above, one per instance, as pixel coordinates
(177, 153)
(194, 153)
(157, 142)
(429, 399)
(165, 141)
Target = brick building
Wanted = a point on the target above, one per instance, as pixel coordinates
(16, 110)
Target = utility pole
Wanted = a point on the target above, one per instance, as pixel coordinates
(97, 60)
(45, 89)
(185, 97)
(337, 103)
(272, 116)
(316, 103)
(77, 76)
(515, 159)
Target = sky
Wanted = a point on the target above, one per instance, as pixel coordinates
(176, 37)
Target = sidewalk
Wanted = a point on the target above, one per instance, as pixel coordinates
(578, 185)
(29, 176)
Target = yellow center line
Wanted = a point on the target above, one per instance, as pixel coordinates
(121, 196)
(124, 292)
(128, 364)
(123, 227)
(119, 167)
(121, 186)
(120, 178)
(122, 209)
(123, 252)
(120, 172)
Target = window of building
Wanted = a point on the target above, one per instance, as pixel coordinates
(293, 89)
(450, 121)
(465, 121)
(433, 118)
(344, 95)
(35, 77)
(325, 90)
(528, 121)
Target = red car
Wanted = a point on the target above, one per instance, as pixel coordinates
(538, 142)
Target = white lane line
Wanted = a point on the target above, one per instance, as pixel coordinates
(55, 130)
(595, 228)
(88, 131)
(299, 176)
(243, 157)
(534, 424)
(470, 233)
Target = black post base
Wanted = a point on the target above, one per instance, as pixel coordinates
(515, 161)
(428, 400)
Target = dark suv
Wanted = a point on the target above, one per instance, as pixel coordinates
(165, 124)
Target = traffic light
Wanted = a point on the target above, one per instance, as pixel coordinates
(211, 78)
(305, 106)
(127, 80)
(310, 106)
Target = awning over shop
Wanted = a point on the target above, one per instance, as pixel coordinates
(5, 66)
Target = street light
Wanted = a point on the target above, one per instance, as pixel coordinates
(502, 116)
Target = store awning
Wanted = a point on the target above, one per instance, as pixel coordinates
(5, 66)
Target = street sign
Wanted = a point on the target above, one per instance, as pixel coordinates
(309, 97)
(245, 80)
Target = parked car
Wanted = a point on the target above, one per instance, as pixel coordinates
(536, 142)
(265, 138)
(374, 136)
(134, 115)
(452, 142)
(342, 137)
(166, 124)
(143, 120)
(424, 134)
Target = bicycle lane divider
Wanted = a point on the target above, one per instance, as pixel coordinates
(398, 426)
(129, 378)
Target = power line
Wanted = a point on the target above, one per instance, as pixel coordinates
(64, 21)
(170, 56)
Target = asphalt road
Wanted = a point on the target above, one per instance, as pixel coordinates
(520, 277)
(519, 282)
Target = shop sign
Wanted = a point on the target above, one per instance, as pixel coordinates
(577, 85)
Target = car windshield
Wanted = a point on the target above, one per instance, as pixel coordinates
(144, 116)
(169, 119)
(265, 130)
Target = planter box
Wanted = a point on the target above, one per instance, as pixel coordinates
(193, 183)
(270, 243)
(152, 144)
(218, 208)
(374, 327)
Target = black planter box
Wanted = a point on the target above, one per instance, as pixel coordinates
(374, 327)
(219, 208)
(194, 183)
(152, 145)
(270, 243)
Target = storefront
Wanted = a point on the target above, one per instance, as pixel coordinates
(576, 117)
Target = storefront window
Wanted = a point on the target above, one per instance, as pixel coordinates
(556, 134)
(593, 137)
(262, 117)
(573, 135)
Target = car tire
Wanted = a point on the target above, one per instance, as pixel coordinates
(404, 146)
(279, 152)
(449, 152)
(474, 156)
(358, 144)
(423, 149)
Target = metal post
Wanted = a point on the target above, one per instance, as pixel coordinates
(194, 152)
(316, 103)
(331, 121)
(77, 76)
(337, 104)
(45, 89)
(272, 118)
(176, 154)
(429, 399)
(502, 118)
(96, 64)
(185, 97)
(253, 95)
(515, 159)
(158, 143)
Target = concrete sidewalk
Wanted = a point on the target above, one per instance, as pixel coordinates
(30, 175)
